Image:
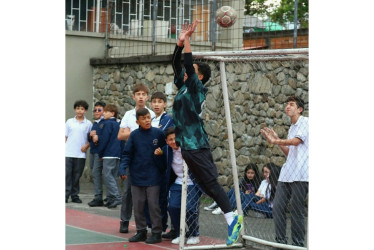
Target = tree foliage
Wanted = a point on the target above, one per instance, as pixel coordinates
(279, 13)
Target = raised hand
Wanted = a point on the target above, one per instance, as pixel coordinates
(269, 134)
(186, 32)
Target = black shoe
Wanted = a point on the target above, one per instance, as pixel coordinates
(141, 235)
(76, 200)
(114, 204)
(172, 234)
(96, 203)
(155, 238)
(124, 227)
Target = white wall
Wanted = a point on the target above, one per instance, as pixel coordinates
(80, 47)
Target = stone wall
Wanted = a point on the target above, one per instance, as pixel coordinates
(257, 93)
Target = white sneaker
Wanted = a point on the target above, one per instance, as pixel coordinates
(175, 241)
(193, 240)
(217, 211)
(211, 206)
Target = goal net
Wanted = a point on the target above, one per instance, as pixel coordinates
(248, 91)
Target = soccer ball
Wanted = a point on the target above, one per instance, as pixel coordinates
(226, 16)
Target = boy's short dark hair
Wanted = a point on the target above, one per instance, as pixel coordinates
(205, 70)
(158, 95)
(141, 112)
(140, 87)
(169, 131)
(100, 103)
(112, 108)
(81, 103)
(298, 100)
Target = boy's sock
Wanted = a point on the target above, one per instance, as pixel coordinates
(229, 217)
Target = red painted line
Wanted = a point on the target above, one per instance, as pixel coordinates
(110, 226)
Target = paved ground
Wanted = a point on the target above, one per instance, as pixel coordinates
(98, 227)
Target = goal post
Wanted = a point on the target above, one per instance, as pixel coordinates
(248, 88)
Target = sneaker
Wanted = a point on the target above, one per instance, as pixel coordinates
(175, 241)
(155, 238)
(211, 206)
(217, 211)
(124, 227)
(234, 230)
(96, 203)
(193, 240)
(172, 234)
(141, 235)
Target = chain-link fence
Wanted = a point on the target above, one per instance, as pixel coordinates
(151, 27)
(265, 182)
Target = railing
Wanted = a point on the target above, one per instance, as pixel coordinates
(151, 27)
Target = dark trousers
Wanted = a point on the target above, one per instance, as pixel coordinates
(126, 207)
(139, 197)
(96, 166)
(73, 172)
(163, 206)
(294, 193)
(200, 163)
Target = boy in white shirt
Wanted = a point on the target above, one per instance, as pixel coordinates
(293, 181)
(76, 145)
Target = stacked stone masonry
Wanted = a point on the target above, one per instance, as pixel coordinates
(257, 94)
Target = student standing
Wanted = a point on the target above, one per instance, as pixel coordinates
(96, 164)
(76, 145)
(294, 176)
(129, 124)
(138, 156)
(109, 151)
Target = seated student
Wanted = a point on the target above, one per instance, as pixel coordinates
(171, 157)
(248, 185)
(262, 201)
(138, 155)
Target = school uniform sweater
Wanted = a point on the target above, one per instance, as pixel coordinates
(138, 155)
(97, 126)
(109, 145)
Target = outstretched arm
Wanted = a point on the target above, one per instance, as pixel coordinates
(186, 36)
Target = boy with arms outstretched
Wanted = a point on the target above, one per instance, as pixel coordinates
(189, 128)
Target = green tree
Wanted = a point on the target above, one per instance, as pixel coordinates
(280, 13)
(285, 12)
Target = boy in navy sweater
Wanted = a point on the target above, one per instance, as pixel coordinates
(163, 121)
(96, 164)
(109, 150)
(146, 174)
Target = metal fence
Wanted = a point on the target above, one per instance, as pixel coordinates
(151, 27)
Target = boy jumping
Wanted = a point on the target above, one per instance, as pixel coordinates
(189, 128)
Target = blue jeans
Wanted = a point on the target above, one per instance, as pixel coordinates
(192, 211)
(249, 202)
